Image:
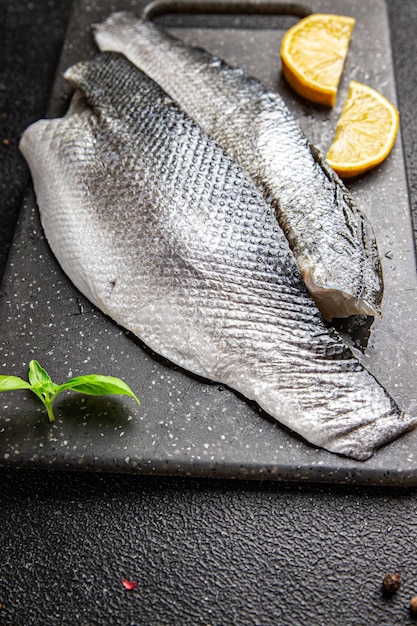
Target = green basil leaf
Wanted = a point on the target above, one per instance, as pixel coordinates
(37, 375)
(97, 385)
(40, 380)
(9, 383)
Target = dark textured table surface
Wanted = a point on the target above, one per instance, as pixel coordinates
(201, 552)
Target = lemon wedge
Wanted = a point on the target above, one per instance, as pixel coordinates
(365, 132)
(313, 54)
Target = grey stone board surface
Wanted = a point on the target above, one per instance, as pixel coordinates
(185, 425)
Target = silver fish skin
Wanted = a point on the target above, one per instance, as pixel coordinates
(332, 240)
(167, 235)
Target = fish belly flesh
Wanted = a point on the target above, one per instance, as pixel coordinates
(332, 240)
(166, 234)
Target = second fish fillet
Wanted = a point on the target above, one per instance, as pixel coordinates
(332, 240)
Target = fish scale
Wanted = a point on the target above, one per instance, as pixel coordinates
(332, 240)
(210, 284)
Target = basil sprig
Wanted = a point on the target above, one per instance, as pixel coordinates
(41, 384)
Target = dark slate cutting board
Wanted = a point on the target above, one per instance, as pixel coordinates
(185, 425)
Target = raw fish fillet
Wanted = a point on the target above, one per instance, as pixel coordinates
(332, 240)
(166, 234)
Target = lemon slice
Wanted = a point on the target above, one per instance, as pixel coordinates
(313, 54)
(365, 132)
